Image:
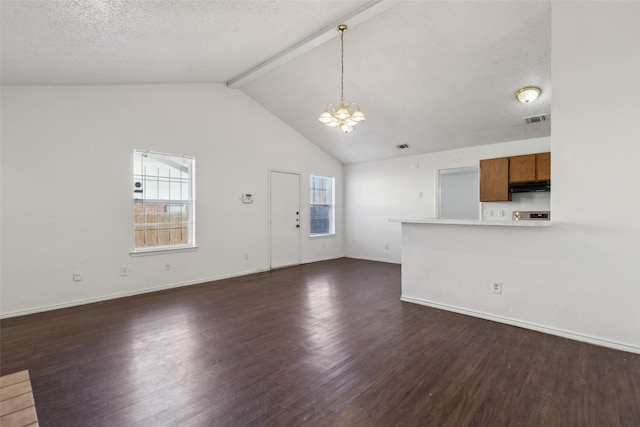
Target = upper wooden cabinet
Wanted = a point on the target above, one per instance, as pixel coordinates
(531, 167)
(543, 166)
(497, 174)
(494, 180)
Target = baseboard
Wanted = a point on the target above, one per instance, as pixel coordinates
(389, 261)
(122, 295)
(328, 258)
(527, 325)
(143, 291)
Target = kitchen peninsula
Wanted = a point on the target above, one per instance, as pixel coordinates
(504, 223)
(474, 267)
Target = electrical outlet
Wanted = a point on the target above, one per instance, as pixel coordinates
(246, 255)
(167, 266)
(77, 276)
(124, 270)
(386, 246)
(497, 287)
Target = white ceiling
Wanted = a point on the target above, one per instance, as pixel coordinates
(436, 75)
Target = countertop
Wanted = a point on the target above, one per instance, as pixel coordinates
(498, 223)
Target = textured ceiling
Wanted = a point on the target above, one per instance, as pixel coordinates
(436, 75)
(142, 41)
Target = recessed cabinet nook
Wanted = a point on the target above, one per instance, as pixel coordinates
(497, 174)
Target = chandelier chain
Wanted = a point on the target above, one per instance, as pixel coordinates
(342, 66)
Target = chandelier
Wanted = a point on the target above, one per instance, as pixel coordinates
(347, 117)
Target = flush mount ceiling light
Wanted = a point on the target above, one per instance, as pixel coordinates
(345, 117)
(528, 94)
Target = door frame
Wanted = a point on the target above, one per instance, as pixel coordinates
(299, 174)
(460, 167)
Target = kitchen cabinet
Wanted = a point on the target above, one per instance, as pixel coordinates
(543, 166)
(497, 174)
(530, 167)
(494, 180)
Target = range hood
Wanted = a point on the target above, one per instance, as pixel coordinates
(530, 187)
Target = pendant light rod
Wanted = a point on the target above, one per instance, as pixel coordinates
(342, 28)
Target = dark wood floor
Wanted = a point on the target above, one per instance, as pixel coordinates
(324, 344)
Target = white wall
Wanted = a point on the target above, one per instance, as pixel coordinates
(580, 277)
(67, 187)
(375, 191)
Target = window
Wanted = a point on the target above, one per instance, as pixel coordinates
(322, 205)
(163, 201)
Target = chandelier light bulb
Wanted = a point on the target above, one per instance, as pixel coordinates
(325, 118)
(343, 113)
(357, 116)
(346, 128)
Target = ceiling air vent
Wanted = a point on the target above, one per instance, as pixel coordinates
(402, 146)
(536, 119)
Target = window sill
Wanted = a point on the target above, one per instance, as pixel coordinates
(314, 236)
(158, 251)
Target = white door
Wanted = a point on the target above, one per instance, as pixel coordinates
(285, 219)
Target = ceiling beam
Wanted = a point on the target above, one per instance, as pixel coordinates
(356, 17)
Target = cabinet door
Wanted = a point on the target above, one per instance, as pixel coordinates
(522, 168)
(494, 180)
(543, 166)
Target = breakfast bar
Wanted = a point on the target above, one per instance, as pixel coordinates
(475, 267)
(473, 222)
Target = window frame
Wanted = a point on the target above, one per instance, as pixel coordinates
(190, 202)
(331, 206)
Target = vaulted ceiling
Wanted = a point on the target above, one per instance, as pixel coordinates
(436, 75)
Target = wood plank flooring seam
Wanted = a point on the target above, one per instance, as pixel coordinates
(20, 418)
(22, 387)
(14, 390)
(16, 403)
(16, 377)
